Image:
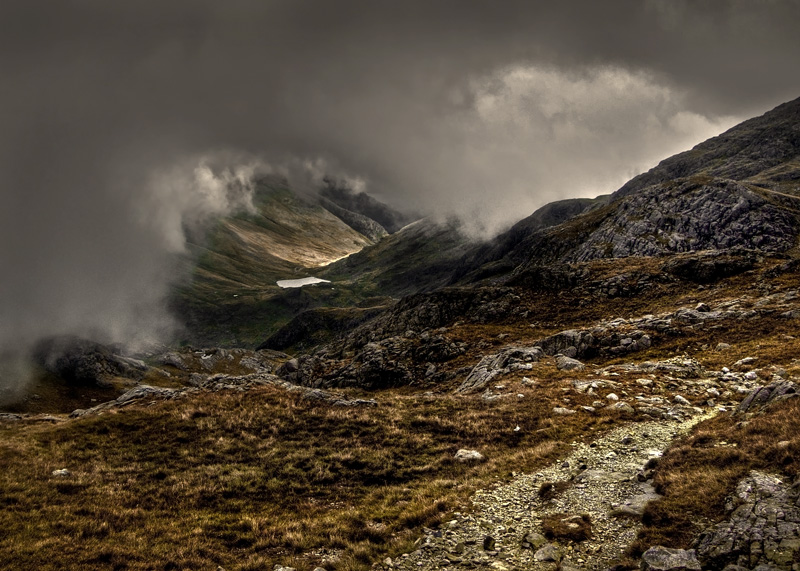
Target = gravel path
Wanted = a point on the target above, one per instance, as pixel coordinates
(600, 479)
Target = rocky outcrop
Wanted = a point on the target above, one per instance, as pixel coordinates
(318, 325)
(763, 529)
(763, 396)
(430, 311)
(607, 340)
(491, 366)
(376, 366)
(690, 215)
(85, 362)
(711, 266)
(217, 360)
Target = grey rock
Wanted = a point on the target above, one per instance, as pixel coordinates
(467, 456)
(547, 552)
(173, 360)
(145, 391)
(491, 366)
(665, 559)
(561, 411)
(565, 363)
(533, 540)
(622, 406)
(763, 396)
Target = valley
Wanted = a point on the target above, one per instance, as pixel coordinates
(608, 376)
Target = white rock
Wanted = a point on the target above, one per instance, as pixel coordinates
(464, 455)
(562, 411)
(612, 397)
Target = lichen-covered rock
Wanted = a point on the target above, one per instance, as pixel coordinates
(763, 529)
(665, 559)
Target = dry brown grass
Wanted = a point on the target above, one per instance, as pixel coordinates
(571, 527)
(245, 480)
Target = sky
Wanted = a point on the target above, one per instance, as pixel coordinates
(122, 125)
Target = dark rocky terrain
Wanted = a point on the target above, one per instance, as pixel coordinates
(611, 383)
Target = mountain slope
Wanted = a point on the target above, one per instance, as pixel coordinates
(419, 257)
(734, 190)
(507, 250)
(763, 150)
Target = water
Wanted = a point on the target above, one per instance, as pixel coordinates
(301, 282)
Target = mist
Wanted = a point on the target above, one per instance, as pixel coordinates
(123, 127)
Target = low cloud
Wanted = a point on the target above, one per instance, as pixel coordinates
(123, 128)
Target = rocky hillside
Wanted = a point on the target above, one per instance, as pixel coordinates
(764, 151)
(365, 205)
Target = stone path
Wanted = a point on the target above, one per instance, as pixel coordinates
(504, 530)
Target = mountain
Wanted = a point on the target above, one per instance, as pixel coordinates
(739, 189)
(761, 151)
(611, 384)
(365, 205)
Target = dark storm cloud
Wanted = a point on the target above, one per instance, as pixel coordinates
(118, 120)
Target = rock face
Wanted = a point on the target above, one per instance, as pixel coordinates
(85, 362)
(763, 529)
(689, 215)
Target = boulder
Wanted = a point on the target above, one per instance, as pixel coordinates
(762, 396)
(468, 456)
(665, 559)
(565, 363)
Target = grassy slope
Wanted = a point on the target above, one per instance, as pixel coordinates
(419, 257)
